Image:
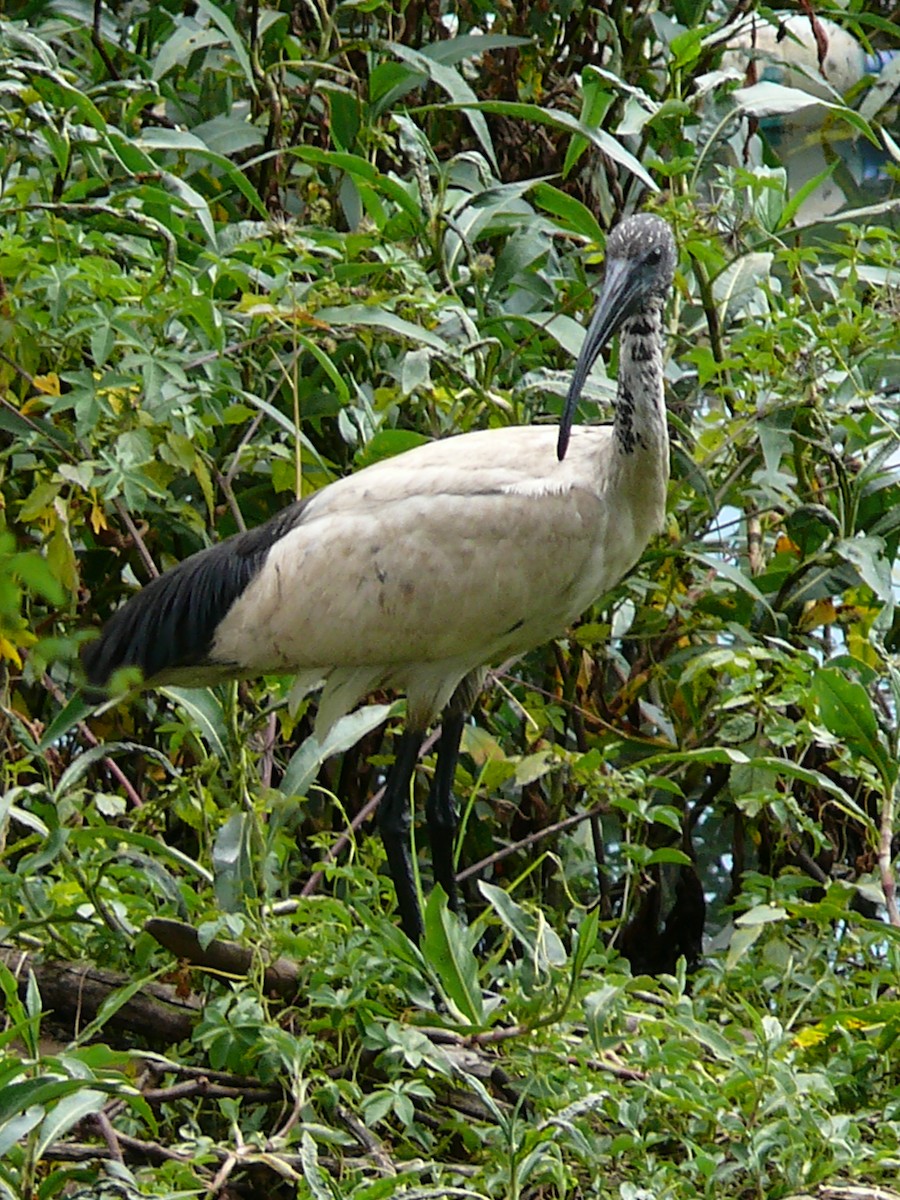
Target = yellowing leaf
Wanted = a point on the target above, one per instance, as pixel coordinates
(256, 305)
(9, 652)
(120, 398)
(813, 1035)
(784, 545)
(48, 384)
(818, 612)
(97, 518)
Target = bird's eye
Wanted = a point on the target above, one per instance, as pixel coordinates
(654, 257)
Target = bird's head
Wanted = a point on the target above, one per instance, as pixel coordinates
(639, 269)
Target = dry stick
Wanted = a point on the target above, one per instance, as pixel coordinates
(111, 765)
(885, 841)
(103, 1123)
(126, 519)
(539, 835)
(369, 1143)
(312, 884)
(203, 1087)
(97, 41)
(598, 1064)
(231, 501)
(755, 544)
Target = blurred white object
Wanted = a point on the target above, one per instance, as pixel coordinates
(789, 53)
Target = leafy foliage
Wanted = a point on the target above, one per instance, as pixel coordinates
(245, 250)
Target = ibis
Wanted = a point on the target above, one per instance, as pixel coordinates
(417, 573)
(804, 51)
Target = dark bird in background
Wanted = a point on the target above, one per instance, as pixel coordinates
(417, 573)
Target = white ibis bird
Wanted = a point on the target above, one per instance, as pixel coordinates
(804, 51)
(417, 572)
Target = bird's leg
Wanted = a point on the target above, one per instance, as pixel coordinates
(394, 823)
(441, 813)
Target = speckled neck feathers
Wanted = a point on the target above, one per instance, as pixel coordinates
(640, 415)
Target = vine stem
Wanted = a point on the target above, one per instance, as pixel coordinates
(885, 868)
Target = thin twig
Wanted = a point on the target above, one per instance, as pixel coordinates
(312, 884)
(885, 864)
(126, 519)
(537, 836)
(92, 740)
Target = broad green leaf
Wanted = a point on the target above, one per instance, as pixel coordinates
(471, 45)
(596, 98)
(16, 1098)
(669, 854)
(447, 951)
(741, 941)
(797, 199)
(733, 574)
(305, 764)
(866, 554)
(557, 119)
(359, 314)
(232, 858)
(455, 86)
(363, 172)
(187, 39)
(90, 834)
(223, 22)
(18, 1127)
(66, 1114)
(538, 939)
(180, 141)
(761, 914)
(88, 758)
(712, 755)
(847, 711)
(205, 710)
(766, 99)
(313, 1175)
(585, 940)
(571, 213)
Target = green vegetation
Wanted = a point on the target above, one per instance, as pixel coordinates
(245, 250)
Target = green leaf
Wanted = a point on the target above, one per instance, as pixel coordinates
(566, 123)
(305, 764)
(232, 858)
(66, 1114)
(382, 318)
(669, 854)
(16, 1098)
(204, 709)
(741, 941)
(88, 758)
(18, 1127)
(585, 940)
(571, 213)
(314, 1176)
(460, 93)
(847, 711)
(223, 22)
(766, 99)
(761, 914)
(182, 45)
(446, 949)
(95, 834)
(538, 939)
(866, 555)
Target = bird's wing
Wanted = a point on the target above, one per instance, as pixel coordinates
(458, 550)
(461, 551)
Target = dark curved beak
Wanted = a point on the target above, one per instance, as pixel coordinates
(619, 299)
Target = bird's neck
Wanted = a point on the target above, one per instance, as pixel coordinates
(640, 416)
